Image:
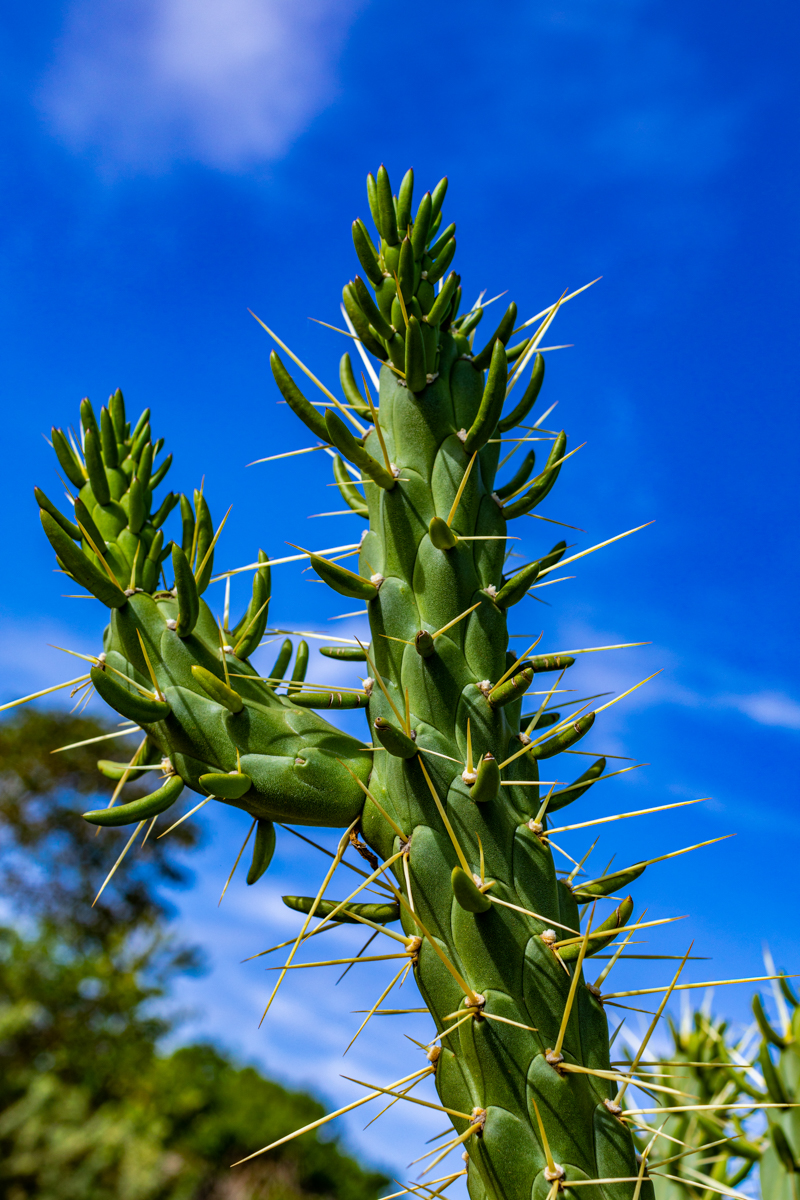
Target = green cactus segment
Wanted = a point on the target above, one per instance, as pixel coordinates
(529, 397)
(770, 1035)
(113, 507)
(296, 400)
(250, 630)
(69, 527)
(380, 914)
(517, 506)
(293, 764)
(139, 810)
(352, 392)
(608, 884)
(600, 937)
(217, 689)
(491, 405)
(263, 850)
(441, 535)
(429, 578)
(295, 761)
(551, 662)
(111, 769)
(517, 586)
(346, 444)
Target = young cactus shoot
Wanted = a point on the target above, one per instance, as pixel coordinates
(455, 795)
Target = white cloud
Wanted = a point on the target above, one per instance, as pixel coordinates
(768, 708)
(142, 83)
(601, 672)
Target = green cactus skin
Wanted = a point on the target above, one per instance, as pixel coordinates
(439, 439)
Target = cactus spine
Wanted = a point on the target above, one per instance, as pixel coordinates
(448, 795)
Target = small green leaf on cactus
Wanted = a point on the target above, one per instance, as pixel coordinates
(345, 582)
(487, 780)
(295, 398)
(767, 1032)
(186, 587)
(520, 412)
(396, 741)
(500, 336)
(441, 534)
(551, 662)
(263, 850)
(381, 914)
(329, 700)
(566, 738)
(217, 690)
(512, 688)
(344, 653)
(47, 505)
(607, 884)
(346, 444)
(79, 567)
(230, 786)
(599, 938)
(144, 710)
(491, 404)
(467, 893)
(138, 810)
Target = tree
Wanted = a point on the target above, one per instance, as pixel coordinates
(89, 1107)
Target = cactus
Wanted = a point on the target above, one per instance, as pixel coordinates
(719, 1151)
(780, 1162)
(448, 793)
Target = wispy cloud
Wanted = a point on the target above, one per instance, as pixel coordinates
(144, 83)
(719, 689)
(767, 708)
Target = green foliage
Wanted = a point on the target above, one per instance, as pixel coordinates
(52, 865)
(90, 1108)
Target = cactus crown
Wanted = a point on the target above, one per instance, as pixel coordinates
(496, 923)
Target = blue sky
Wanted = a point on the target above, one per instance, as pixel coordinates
(168, 165)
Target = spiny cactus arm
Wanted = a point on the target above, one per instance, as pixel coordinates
(211, 722)
(468, 843)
